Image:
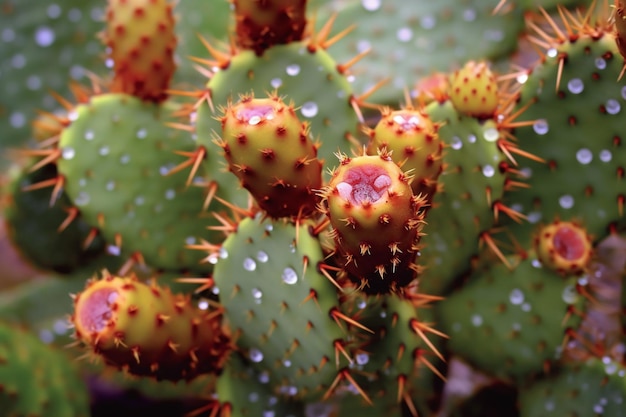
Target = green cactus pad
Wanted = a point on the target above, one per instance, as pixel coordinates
(398, 352)
(115, 158)
(309, 79)
(579, 133)
(594, 387)
(246, 393)
(33, 225)
(410, 40)
(462, 210)
(510, 323)
(38, 380)
(280, 312)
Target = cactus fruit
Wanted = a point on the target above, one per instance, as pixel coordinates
(474, 90)
(564, 247)
(146, 330)
(38, 380)
(262, 24)
(412, 140)
(376, 221)
(141, 39)
(271, 152)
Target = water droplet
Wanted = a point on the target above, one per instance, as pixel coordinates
(255, 355)
(469, 15)
(223, 253)
(491, 134)
(110, 186)
(124, 159)
(46, 336)
(253, 397)
(363, 45)
(286, 363)
(404, 34)
(257, 293)
(68, 153)
(606, 155)
(610, 368)
(613, 106)
(522, 78)
(170, 194)
(456, 143)
(276, 82)
(624, 92)
(526, 307)
(60, 327)
(570, 294)
(269, 227)
(141, 133)
(54, 11)
(104, 151)
(18, 119)
(598, 409)
(488, 171)
(289, 276)
(566, 201)
(575, 86)
(541, 127)
(74, 15)
(82, 199)
(600, 63)
(254, 120)
(516, 297)
(534, 217)
(362, 358)
(139, 200)
(89, 135)
(262, 256)
(249, 264)
(114, 250)
(584, 156)
(8, 35)
(212, 258)
(428, 22)
(18, 61)
(82, 182)
(471, 138)
(371, 5)
(264, 377)
(309, 109)
(44, 36)
(33, 83)
(552, 52)
(477, 320)
(536, 263)
(109, 63)
(293, 70)
(549, 405)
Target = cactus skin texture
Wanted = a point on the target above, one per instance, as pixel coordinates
(260, 24)
(146, 330)
(376, 221)
(271, 152)
(141, 38)
(37, 380)
(564, 247)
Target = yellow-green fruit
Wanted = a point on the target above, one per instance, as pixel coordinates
(474, 90)
(411, 138)
(564, 247)
(141, 38)
(148, 331)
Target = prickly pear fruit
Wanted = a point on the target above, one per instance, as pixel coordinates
(148, 331)
(376, 221)
(270, 150)
(141, 38)
(474, 90)
(261, 24)
(411, 138)
(564, 247)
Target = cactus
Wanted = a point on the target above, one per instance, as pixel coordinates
(288, 214)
